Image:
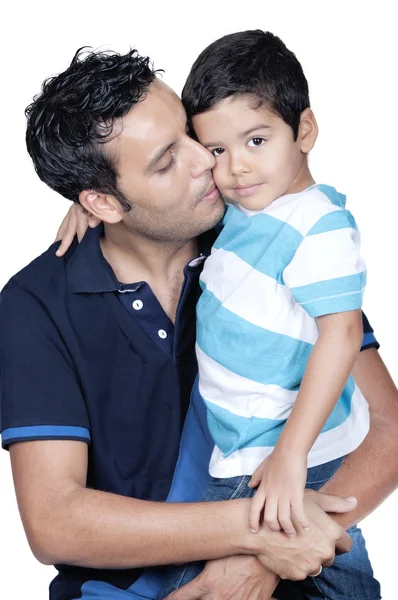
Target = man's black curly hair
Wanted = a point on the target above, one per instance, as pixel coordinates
(254, 63)
(72, 117)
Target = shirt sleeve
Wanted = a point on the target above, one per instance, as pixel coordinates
(40, 395)
(327, 274)
(369, 339)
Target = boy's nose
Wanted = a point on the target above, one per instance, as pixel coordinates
(239, 166)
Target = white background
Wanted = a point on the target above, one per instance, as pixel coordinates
(348, 51)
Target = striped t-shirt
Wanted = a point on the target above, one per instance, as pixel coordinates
(270, 273)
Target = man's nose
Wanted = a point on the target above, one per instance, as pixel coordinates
(202, 160)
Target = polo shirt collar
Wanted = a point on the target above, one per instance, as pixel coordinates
(87, 270)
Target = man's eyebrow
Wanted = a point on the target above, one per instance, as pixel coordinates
(241, 135)
(158, 156)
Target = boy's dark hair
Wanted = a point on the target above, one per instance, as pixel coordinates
(68, 122)
(254, 63)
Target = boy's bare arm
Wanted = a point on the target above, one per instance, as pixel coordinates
(281, 477)
(328, 368)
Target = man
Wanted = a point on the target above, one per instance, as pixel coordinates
(97, 361)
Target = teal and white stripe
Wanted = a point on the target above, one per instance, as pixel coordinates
(270, 273)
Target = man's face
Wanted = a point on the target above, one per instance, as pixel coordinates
(257, 159)
(165, 175)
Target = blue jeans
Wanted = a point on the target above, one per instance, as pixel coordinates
(350, 577)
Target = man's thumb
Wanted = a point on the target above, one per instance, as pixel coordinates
(335, 504)
(189, 591)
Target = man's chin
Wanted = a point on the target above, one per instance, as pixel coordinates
(214, 216)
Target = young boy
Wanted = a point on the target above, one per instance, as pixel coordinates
(279, 323)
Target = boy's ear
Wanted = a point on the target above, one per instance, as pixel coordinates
(308, 131)
(102, 206)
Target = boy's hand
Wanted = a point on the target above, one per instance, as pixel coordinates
(75, 222)
(281, 481)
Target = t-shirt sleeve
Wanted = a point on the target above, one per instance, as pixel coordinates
(327, 274)
(40, 395)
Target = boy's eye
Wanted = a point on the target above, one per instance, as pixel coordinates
(257, 141)
(217, 151)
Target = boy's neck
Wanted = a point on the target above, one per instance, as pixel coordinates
(302, 181)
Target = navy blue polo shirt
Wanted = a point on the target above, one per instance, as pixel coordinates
(83, 357)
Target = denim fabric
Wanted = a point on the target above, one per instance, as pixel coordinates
(350, 577)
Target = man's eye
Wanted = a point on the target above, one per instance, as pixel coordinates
(217, 151)
(168, 167)
(257, 141)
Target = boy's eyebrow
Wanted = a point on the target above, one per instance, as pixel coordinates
(255, 128)
(158, 155)
(242, 135)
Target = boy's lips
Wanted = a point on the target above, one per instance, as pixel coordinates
(246, 190)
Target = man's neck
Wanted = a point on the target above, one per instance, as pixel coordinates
(135, 258)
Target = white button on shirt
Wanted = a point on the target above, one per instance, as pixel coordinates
(162, 334)
(137, 304)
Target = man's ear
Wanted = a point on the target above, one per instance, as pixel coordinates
(102, 206)
(308, 131)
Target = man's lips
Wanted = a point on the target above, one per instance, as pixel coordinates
(212, 194)
(246, 190)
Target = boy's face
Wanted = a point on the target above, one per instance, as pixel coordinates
(257, 159)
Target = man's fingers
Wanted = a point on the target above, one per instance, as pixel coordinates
(299, 514)
(189, 591)
(344, 543)
(334, 504)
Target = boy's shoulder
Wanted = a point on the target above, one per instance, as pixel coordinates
(305, 209)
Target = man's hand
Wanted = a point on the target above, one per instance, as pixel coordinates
(299, 556)
(237, 577)
(75, 222)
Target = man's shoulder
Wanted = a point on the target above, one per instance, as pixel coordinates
(45, 274)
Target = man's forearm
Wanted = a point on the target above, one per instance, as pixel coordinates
(67, 523)
(101, 530)
(370, 474)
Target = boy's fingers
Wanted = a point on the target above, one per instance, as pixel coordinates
(68, 236)
(271, 515)
(254, 481)
(256, 506)
(81, 226)
(62, 228)
(284, 518)
(93, 222)
(257, 477)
